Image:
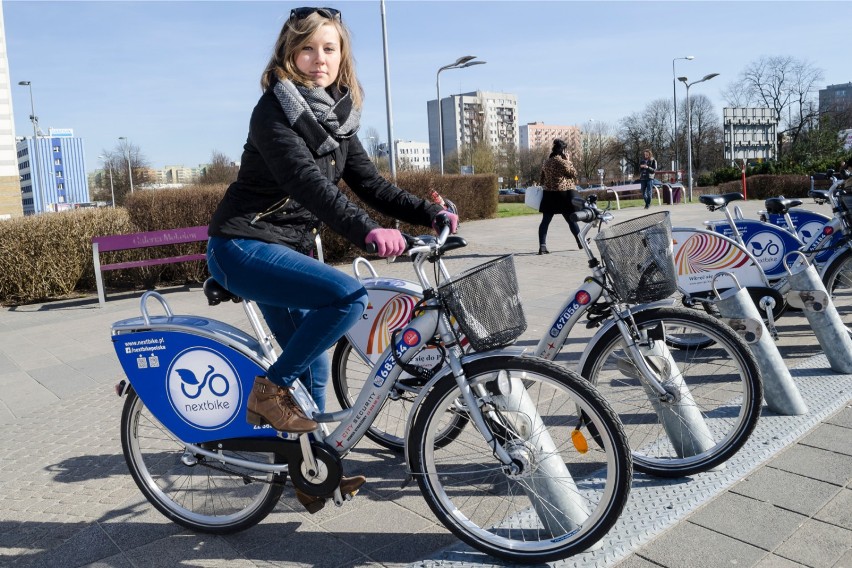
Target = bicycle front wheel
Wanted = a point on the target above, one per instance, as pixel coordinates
(838, 283)
(200, 494)
(715, 380)
(560, 495)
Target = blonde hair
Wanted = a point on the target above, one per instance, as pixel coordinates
(295, 34)
(649, 152)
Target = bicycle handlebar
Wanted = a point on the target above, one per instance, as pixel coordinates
(412, 242)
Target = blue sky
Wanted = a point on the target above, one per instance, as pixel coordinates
(179, 79)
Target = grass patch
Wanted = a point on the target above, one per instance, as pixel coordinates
(515, 209)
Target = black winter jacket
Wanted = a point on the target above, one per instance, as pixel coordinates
(284, 191)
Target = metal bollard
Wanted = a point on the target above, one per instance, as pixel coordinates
(822, 315)
(682, 420)
(551, 489)
(779, 391)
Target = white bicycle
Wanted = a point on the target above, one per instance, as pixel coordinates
(686, 387)
(521, 482)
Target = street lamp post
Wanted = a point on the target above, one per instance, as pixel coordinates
(34, 158)
(674, 99)
(129, 170)
(111, 186)
(684, 80)
(460, 63)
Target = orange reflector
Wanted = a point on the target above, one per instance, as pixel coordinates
(579, 441)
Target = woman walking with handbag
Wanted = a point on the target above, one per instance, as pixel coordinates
(558, 178)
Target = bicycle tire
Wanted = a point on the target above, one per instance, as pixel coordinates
(838, 283)
(349, 372)
(197, 497)
(723, 379)
(472, 495)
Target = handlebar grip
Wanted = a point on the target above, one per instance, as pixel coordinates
(372, 248)
(585, 215)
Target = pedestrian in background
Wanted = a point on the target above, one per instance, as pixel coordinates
(558, 179)
(647, 167)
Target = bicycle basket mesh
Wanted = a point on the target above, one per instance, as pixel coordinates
(484, 300)
(638, 258)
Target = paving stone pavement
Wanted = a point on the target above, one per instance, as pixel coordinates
(66, 499)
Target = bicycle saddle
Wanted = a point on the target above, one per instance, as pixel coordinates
(216, 293)
(781, 205)
(714, 201)
(821, 194)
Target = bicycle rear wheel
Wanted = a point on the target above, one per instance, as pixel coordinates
(200, 496)
(349, 372)
(838, 283)
(719, 386)
(563, 498)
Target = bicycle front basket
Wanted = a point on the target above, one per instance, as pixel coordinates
(638, 258)
(484, 301)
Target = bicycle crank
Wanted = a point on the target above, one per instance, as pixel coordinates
(319, 478)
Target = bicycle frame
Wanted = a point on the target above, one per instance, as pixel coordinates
(161, 354)
(579, 302)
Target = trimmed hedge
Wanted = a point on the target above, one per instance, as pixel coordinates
(47, 257)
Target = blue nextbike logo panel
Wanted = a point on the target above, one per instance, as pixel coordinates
(203, 388)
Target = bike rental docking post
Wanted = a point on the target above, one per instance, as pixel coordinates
(678, 413)
(832, 335)
(781, 394)
(555, 497)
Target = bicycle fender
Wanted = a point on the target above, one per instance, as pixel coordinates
(823, 269)
(700, 254)
(445, 370)
(391, 305)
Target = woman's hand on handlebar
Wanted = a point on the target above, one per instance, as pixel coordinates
(387, 242)
(443, 219)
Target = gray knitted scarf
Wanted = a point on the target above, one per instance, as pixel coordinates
(316, 116)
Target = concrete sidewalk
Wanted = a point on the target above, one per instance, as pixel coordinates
(66, 498)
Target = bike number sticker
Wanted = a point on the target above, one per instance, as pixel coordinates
(203, 388)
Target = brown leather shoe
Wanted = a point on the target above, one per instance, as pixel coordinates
(348, 486)
(273, 404)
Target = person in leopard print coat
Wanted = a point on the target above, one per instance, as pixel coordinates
(558, 178)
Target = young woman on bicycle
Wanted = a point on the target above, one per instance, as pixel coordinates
(302, 141)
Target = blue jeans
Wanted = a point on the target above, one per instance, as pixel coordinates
(647, 190)
(307, 305)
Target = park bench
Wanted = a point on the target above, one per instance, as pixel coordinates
(147, 239)
(633, 191)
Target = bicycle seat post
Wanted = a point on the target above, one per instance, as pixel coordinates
(733, 224)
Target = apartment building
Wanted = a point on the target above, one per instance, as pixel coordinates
(538, 134)
(10, 186)
(468, 118)
(411, 155)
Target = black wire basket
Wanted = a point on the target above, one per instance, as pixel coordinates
(485, 303)
(638, 258)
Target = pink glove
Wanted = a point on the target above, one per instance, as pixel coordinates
(389, 242)
(451, 217)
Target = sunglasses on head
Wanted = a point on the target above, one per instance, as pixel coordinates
(327, 13)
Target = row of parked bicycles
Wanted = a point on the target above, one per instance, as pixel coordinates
(519, 456)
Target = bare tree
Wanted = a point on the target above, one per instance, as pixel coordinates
(371, 142)
(124, 159)
(594, 151)
(706, 134)
(220, 170)
(782, 83)
(529, 164)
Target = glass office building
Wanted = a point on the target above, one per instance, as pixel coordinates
(53, 172)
